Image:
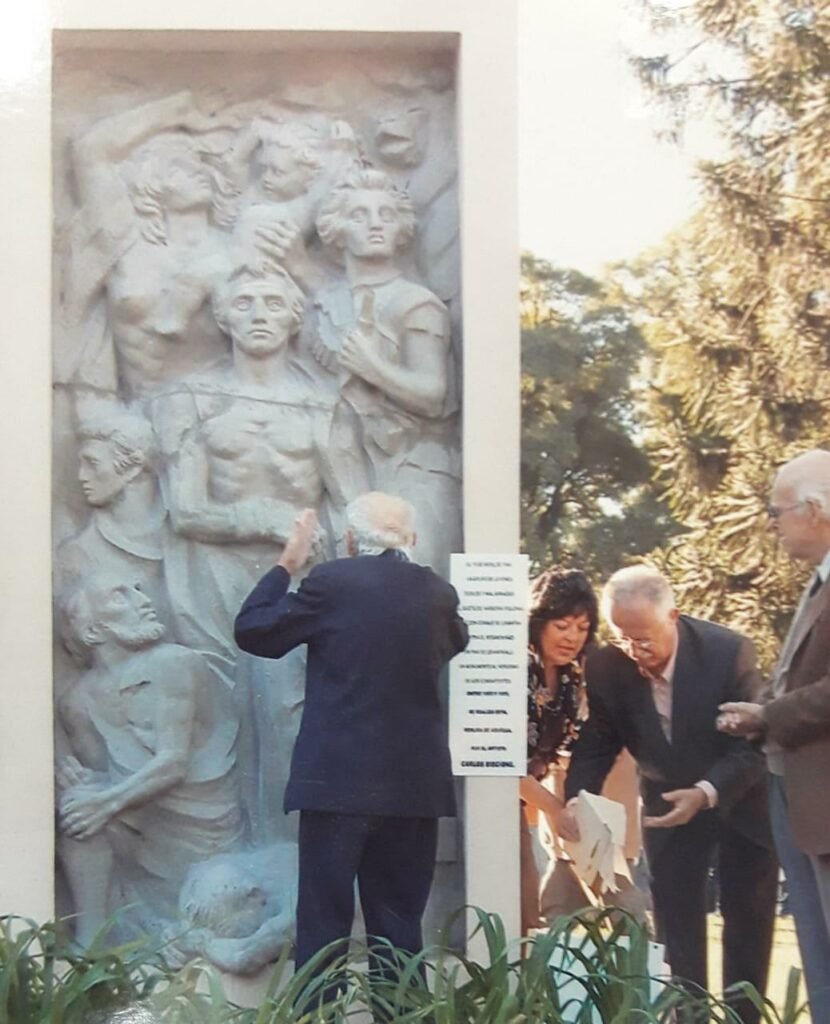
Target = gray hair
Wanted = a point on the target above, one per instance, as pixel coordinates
(379, 522)
(809, 476)
(637, 583)
(77, 615)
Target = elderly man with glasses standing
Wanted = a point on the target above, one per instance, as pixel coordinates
(656, 690)
(794, 719)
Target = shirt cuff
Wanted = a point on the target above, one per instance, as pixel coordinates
(710, 791)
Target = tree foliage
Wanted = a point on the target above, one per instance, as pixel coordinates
(586, 496)
(736, 306)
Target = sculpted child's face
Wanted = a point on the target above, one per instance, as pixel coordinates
(284, 175)
(260, 317)
(371, 226)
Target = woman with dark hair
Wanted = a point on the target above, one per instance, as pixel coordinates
(563, 621)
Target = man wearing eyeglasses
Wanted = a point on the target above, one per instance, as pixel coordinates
(656, 690)
(794, 719)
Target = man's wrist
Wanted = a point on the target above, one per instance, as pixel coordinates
(709, 792)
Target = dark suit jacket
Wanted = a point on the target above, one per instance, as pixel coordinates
(799, 721)
(713, 665)
(379, 631)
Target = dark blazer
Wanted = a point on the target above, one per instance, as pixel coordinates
(379, 631)
(799, 721)
(713, 665)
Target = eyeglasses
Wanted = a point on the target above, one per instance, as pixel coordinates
(776, 511)
(628, 644)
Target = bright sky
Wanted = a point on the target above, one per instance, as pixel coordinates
(594, 184)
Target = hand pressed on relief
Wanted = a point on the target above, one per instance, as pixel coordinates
(687, 803)
(299, 546)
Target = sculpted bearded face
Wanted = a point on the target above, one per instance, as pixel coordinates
(128, 616)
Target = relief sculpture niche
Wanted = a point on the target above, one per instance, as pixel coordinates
(256, 310)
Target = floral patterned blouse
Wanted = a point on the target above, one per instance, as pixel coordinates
(553, 719)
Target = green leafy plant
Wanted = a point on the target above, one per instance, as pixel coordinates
(590, 968)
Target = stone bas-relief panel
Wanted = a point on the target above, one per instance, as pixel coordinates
(257, 309)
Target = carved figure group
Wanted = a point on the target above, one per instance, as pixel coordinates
(243, 329)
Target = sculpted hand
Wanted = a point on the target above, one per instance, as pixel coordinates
(740, 718)
(687, 803)
(359, 352)
(70, 772)
(212, 111)
(566, 826)
(299, 545)
(357, 357)
(280, 240)
(85, 811)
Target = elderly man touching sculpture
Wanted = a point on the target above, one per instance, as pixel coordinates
(656, 691)
(794, 719)
(370, 773)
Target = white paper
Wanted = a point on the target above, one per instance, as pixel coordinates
(599, 851)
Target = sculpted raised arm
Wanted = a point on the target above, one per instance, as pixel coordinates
(110, 140)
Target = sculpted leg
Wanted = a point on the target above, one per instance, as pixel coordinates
(88, 864)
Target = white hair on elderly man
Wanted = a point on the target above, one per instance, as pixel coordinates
(808, 475)
(635, 584)
(379, 521)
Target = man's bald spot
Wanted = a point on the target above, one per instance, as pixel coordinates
(387, 512)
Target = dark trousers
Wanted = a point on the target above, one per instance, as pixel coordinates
(748, 875)
(393, 861)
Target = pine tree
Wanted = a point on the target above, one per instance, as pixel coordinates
(736, 306)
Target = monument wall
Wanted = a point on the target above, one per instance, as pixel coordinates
(262, 370)
(257, 309)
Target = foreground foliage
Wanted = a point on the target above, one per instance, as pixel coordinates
(585, 970)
